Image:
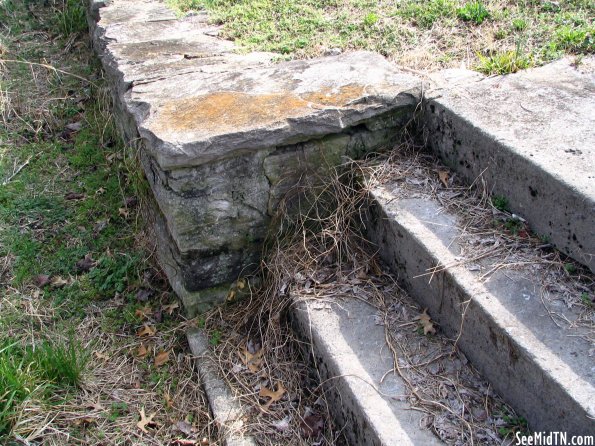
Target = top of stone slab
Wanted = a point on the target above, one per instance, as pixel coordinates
(195, 101)
(203, 116)
(545, 114)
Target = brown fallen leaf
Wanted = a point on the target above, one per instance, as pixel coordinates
(85, 264)
(42, 280)
(58, 282)
(231, 296)
(146, 330)
(143, 313)
(143, 295)
(169, 309)
(146, 421)
(123, 212)
(241, 284)
(84, 421)
(443, 175)
(161, 358)
(142, 351)
(74, 196)
(169, 402)
(426, 322)
(130, 202)
(312, 426)
(252, 361)
(274, 396)
(101, 356)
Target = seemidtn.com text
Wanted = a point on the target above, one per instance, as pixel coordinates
(553, 439)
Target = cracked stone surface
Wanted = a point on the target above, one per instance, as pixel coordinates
(223, 136)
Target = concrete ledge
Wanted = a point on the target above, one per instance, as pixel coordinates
(226, 409)
(543, 371)
(531, 137)
(351, 355)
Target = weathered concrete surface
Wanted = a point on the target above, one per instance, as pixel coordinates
(544, 371)
(352, 357)
(223, 136)
(531, 136)
(227, 411)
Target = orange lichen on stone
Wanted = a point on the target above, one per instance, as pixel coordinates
(227, 110)
(336, 97)
(221, 111)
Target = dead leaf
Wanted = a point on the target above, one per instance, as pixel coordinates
(185, 428)
(142, 351)
(443, 175)
(84, 421)
(146, 421)
(312, 426)
(96, 406)
(184, 442)
(274, 396)
(146, 330)
(143, 295)
(169, 309)
(130, 202)
(161, 358)
(231, 296)
(58, 282)
(100, 225)
(74, 126)
(283, 424)
(85, 264)
(169, 402)
(241, 284)
(123, 212)
(100, 355)
(143, 313)
(74, 196)
(252, 361)
(100, 191)
(42, 280)
(426, 322)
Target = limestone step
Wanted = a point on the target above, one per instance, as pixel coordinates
(528, 137)
(538, 359)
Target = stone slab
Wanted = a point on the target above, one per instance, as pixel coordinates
(226, 409)
(202, 117)
(545, 372)
(352, 357)
(531, 137)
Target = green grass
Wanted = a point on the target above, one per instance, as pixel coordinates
(34, 371)
(484, 35)
(474, 12)
(71, 17)
(43, 230)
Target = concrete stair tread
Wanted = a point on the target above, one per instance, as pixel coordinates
(352, 355)
(531, 138)
(507, 332)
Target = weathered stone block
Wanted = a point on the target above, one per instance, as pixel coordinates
(224, 136)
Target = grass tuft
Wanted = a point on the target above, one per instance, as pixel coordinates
(505, 62)
(71, 18)
(474, 12)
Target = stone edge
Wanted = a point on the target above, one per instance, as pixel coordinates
(226, 409)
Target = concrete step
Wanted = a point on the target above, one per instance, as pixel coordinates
(528, 137)
(538, 358)
(351, 355)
